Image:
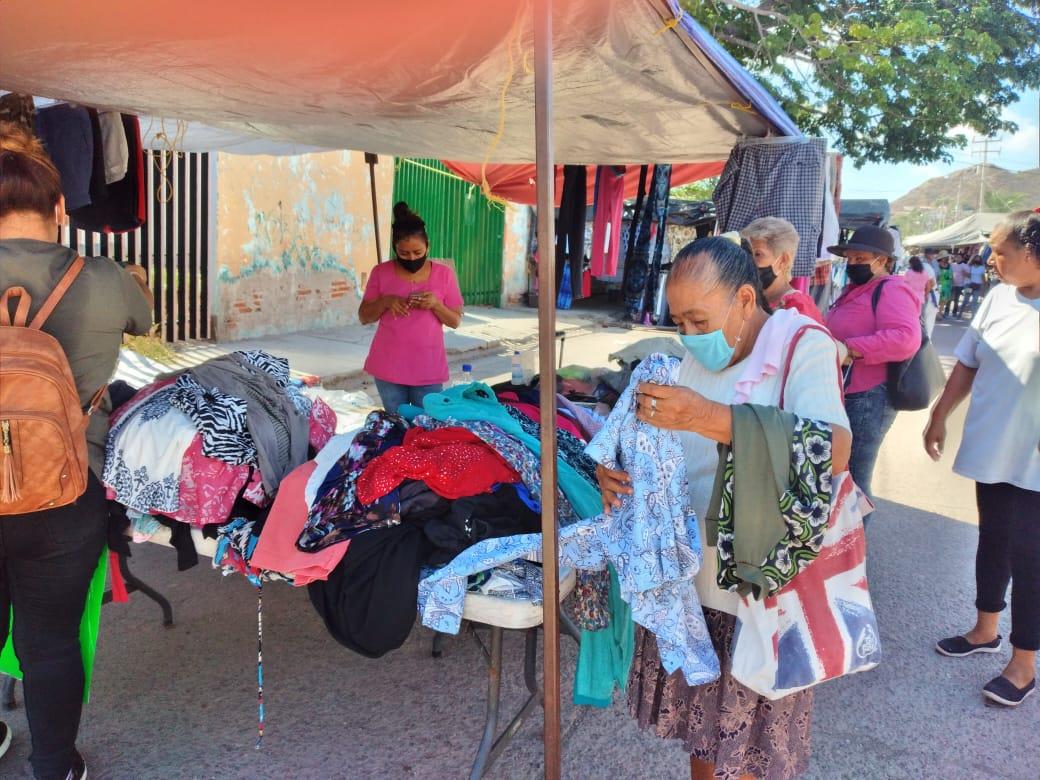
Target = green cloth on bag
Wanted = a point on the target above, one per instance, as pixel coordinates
(761, 446)
(605, 657)
(88, 630)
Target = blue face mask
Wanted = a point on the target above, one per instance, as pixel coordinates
(711, 350)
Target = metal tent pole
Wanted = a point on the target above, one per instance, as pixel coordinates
(372, 160)
(545, 181)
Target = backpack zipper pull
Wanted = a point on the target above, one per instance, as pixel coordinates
(8, 485)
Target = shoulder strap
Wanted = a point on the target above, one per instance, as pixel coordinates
(59, 292)
(21, 313)
(876, 296)
(790, 357)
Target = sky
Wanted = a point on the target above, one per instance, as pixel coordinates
(1018, 152)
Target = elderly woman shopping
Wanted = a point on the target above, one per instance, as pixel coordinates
(737, 355)
(998, 366)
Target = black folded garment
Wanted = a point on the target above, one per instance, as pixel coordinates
(471, 520)
(369, 601)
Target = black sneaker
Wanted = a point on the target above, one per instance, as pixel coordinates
(5, 738)
(79, 769)
(958, 647)
(1003, 691)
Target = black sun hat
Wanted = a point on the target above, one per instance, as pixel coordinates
(868, 238)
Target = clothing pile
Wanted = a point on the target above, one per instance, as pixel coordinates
(210, 446)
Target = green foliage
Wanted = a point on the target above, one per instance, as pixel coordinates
(698, 190)
(1002, 202)
(888, 80)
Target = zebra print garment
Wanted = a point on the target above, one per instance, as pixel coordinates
(219, 418)
(279, 369)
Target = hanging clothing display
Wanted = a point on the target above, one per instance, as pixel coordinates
(776, 177)
(606, 226)
(67, 136)
(570, 228)
(125, 207)
(648, 246)
(116, 152)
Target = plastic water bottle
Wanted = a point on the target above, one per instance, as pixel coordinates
(466, 377)
(518, 369)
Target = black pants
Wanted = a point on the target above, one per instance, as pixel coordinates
(47, 560)
(1009, 551)
(954, 304)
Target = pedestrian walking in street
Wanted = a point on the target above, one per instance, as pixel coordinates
(774, 243)
(412, 298)
(715, 298)
(945, 287)
(922, 281)
(878, 318)
(48, 556)
(976, 281)
(961, 279)
(998, 366)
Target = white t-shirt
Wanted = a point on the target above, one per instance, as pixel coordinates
(978, 274)
(1002, 430)
(813, 391)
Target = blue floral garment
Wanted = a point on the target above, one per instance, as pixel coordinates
(653, 540)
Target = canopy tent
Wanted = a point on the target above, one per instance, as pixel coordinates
(516, 182)
(609, 82)
(631, 87)
(971, 230)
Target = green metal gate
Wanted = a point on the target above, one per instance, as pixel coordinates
(463, 225)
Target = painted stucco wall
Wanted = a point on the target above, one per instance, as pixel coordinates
(295, 240)
(515, 242)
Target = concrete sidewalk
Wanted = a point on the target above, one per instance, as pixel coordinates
(337, 356)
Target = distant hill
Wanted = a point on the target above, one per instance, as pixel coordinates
(935, 203)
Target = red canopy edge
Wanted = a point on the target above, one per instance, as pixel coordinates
(515, 183)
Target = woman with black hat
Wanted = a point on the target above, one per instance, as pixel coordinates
(878, 319)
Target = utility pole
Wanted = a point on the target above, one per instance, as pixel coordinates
(984, 153)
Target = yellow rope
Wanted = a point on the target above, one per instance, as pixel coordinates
(671, 24)
(485, 186)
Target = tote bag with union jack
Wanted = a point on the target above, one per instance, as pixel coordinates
(822, 624)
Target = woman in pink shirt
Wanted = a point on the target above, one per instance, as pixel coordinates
(874, 339)
(412, 299)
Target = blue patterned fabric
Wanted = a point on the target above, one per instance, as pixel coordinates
(653, 540)
(442, 595)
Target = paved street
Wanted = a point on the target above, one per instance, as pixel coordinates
(181, 702)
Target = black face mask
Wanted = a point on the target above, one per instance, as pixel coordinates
(766, 276)
(412, 266)
(860, 274)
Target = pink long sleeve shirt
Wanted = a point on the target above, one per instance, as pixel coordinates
(892, 336)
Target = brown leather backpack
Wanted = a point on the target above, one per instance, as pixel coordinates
(43, 428)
